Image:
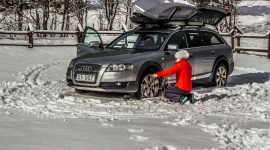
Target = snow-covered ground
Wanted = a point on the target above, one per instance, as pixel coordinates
(39, 112)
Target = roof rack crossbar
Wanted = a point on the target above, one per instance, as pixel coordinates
(173, 12)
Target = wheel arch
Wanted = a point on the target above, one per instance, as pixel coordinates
(220, 59)
(147, 66)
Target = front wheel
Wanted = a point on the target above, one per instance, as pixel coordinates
(220, 75)
(149, 86)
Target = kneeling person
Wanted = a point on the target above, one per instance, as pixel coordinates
(183, 71)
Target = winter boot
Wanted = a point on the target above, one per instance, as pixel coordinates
(183, 99)
(191, 98)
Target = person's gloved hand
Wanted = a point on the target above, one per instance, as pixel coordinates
(154, 75)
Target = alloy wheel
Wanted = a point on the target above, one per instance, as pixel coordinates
(221, 76)
(150, 86)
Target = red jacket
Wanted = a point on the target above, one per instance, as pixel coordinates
(183, 71)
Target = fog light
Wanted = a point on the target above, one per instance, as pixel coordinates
(117, 83)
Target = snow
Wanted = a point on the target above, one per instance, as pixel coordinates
(37, 104)
(38, 111)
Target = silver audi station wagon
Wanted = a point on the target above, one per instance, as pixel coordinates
(125, 65)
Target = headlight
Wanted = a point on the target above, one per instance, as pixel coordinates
(71, 64)
(119, 67)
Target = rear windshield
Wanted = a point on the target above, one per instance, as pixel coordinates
(139, 41)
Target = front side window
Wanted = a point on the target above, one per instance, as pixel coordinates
(91, 36)
(139, 41)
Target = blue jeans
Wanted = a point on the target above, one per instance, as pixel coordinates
(174, 94)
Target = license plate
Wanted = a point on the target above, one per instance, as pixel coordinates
(83, 77)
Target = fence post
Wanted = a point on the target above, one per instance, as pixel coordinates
(238, 41)
(238, 30)
(30, 35)
(231, 33)
(79, 33)
(268, 33)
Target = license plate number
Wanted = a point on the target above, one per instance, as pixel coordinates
(83, 77)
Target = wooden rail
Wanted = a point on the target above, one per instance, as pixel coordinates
(233, 34)
(239, 48)
(30, 33)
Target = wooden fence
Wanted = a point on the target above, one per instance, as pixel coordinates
(30, 33)
(235, 33)
(239, 48)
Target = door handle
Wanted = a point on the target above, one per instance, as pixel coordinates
(190, 54)
(213, 52)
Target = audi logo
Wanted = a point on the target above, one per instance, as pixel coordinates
(86, 68)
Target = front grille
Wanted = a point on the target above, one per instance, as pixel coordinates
(87, 69)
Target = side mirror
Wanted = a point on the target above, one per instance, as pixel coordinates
(172, 47)
(94, 44)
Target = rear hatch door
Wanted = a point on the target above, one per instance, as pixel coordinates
(209, 15)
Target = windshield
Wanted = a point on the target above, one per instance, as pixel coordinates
(139, 41)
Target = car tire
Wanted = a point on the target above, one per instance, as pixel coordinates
(220, 75)
(149, 86)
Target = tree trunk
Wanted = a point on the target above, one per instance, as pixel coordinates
(66, 8)
(19, 10)
(110, 10)
(46, 15)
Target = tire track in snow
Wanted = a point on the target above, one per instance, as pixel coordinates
(250, 70)
(53, 100)
(32, 76)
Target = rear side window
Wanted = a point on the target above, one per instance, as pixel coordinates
(203, 38)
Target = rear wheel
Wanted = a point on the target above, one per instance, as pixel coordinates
(220, 75)
(149, 86)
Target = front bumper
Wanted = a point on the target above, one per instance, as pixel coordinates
(118, 82)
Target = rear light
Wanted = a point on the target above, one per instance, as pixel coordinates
(227, 9)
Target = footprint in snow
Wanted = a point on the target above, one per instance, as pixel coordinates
(139, 138)
(107, 125)
(135, 131)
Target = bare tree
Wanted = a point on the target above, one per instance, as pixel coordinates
(229, 22)
(129, 10)
(65, 13)
(78, 8)
(111, 7)
(201, 3)
(16, 7)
